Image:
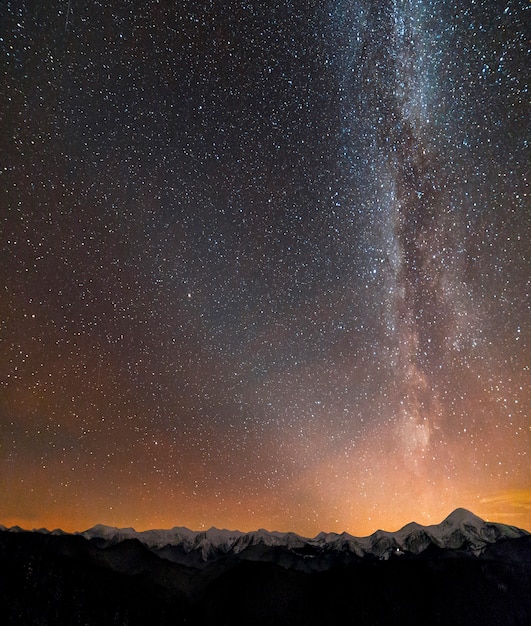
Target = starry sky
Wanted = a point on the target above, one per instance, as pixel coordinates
(264, 264)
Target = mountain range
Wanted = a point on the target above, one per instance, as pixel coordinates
(461, 571)
(461, 530)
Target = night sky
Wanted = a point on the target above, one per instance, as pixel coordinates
(264, 264)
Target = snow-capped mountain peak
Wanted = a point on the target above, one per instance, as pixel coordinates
(461, 517)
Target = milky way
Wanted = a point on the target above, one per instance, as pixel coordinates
(264, 264)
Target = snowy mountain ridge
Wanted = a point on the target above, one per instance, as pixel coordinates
(461, 530)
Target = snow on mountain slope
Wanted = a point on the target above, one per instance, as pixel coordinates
(460, 530)
(209, 543)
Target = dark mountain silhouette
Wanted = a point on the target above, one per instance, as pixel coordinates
(462, 571)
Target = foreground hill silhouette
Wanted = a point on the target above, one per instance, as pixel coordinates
(462, 571)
